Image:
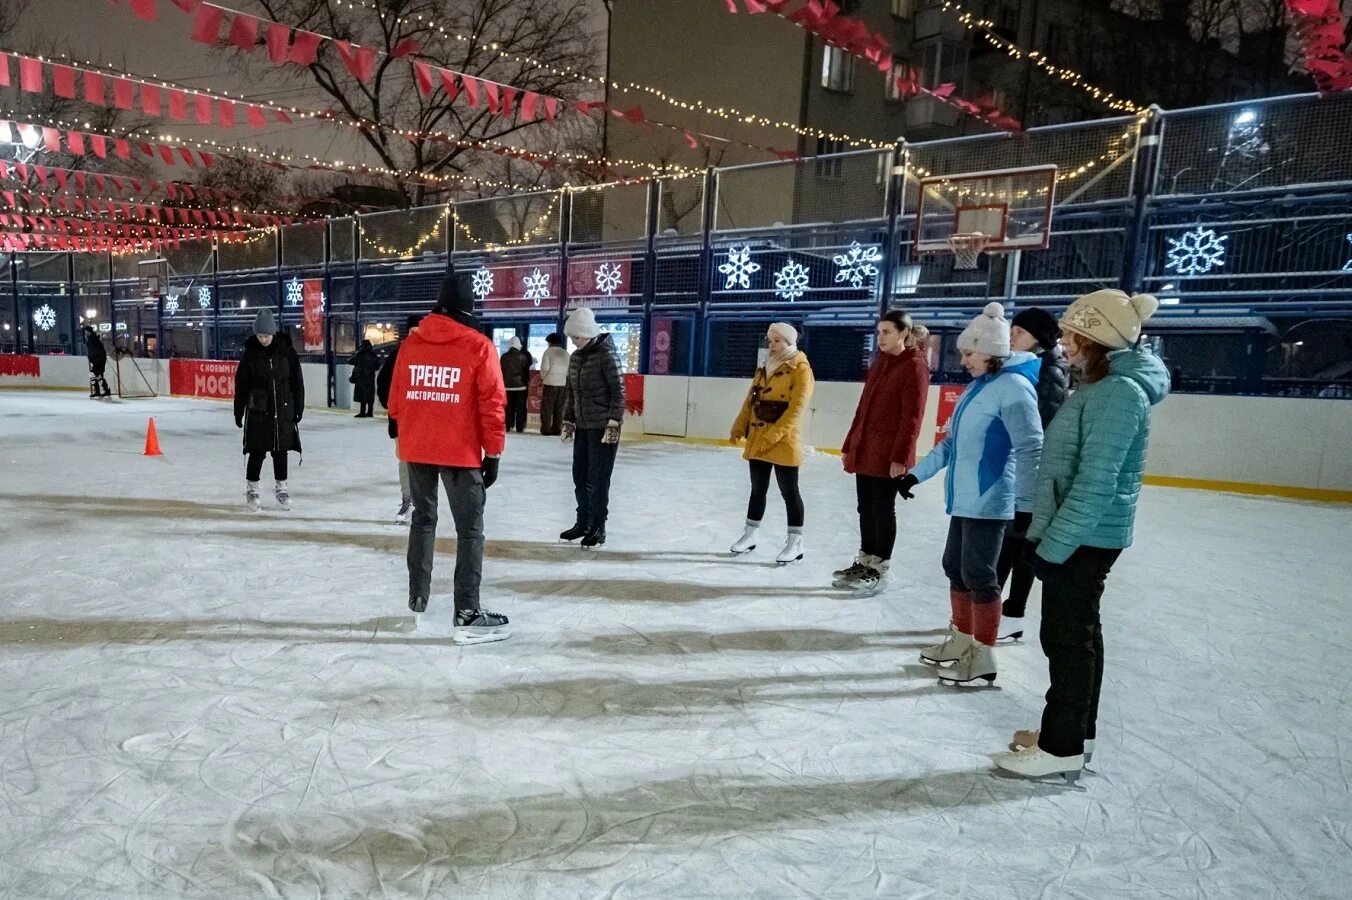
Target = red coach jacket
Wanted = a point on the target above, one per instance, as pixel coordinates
(447, 396)
(887, 422)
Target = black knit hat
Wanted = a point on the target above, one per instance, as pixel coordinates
(1040, 324)
(554, 340)
(456, 296)
(411, 323)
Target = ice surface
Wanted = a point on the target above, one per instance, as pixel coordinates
(196, 701)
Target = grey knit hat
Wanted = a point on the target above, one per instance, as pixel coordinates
(265, 322)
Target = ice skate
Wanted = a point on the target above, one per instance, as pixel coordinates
(595, 538)
(251, 495)
(1038, 765)
(1027, 740)
(976, 663)
(949, 650)
(845, 577)
(405, 514)
(793, 550)
(572, 534)
(1011, 629)
(283, 496)
(478, 626)
(747, 542)
(874, 576)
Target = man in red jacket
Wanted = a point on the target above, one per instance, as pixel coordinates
(448, 401)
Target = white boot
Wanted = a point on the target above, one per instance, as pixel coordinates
(283, 496)
(950, 649)
(1027, 740)
(793, 549)
(747, 542)
(1038, 764)
(976, 662)
(251, 495)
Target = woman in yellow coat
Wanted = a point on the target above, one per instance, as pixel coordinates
(771, 424)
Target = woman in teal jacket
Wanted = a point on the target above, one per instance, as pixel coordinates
(991, 457)
(1092, 465)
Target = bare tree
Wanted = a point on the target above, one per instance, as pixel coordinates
(551, 32)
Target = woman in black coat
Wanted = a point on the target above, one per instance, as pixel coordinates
(1036, 331)
(269, 402)
(365, 364)
(98, 363)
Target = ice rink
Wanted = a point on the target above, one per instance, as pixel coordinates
(197, 701)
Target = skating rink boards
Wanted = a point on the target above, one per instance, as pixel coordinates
(196, 701)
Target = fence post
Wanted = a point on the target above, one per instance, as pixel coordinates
(112, 300)
(1137, 247)
(281, 287)
(706, 268)
(896, 188)
(330, 399)
(649, 274)
(215, 298)
(450, 239)
(565, 235)
(356, 278)
(19, 321)
(70, 298)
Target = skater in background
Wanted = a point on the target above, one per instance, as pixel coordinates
(1093, 462)
(1034, 330)
(770, 423)
(447, 397)
(991, 454)
(919, 339)
(383, 379)
(269, 403)
(98, 363)
(554, 385)
(516, 367)
(593, 412)
(365, 364)
(880, 446)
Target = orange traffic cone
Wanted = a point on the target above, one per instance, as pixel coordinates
(152, 440)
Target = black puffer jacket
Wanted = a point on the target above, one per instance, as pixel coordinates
(1053, 383)
(95, 351)
(595, 386)
(269, 395)
(516, 366)
(365, 364)
(384, 378)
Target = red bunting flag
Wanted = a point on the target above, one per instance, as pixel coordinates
(256, 118)
(244, 32)
(225, 110)
(471, 90)
(187, 156)
(528, 104)
(360, 62)
(124, 93)
(178, 105)
(150, 100)
(30, 74)
(406, 47)
(202, 107)
(76, 142)
(144, 9)
(4, 70)
(207, 25)
(305, 48)
(51, 139)
(449, 84)
(167, 154)
(551, 108)
(122, 148)
(63, 82)
(491, 89)
(508, 99)
(93, 89)
(279, 42)
(422, 74)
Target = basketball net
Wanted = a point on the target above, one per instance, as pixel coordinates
(967, 249)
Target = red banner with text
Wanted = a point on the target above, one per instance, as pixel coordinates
(949, 395)
(312, 291)
(23, 365)
(202, 378)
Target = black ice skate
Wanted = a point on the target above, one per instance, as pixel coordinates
(572, 534)
(478, 626)
(595, 538)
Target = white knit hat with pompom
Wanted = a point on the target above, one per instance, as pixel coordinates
(988, 333)
(1110, 317)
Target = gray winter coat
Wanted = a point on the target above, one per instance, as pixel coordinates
(1053, 384)
(595, 386)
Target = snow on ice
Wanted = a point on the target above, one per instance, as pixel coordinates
(196, 701)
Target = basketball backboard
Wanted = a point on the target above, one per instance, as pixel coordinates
(1012, 208)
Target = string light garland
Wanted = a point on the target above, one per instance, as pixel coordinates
(418, 245)
(527, 236)
(987, 27)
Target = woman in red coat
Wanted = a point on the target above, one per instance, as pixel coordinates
(880, 447)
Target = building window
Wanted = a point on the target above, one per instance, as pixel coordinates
(837, 70)
(903, 9)
(890, 90)
(943, 62)
(828, 163)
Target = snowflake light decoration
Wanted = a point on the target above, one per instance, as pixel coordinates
(171, 304)
(608, 278)
(791, 281)
(295, 292)
(1196, 252)
(482, 283)
(857, 263)
(44, 317)
(204, 297)
(739, 268)
(537, 285)
(1347, 266)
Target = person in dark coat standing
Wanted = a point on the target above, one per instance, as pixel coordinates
(554, 385)
(516, 365)
(269, 403)
(880, 446)
(1036, 331)
(593, 412)
(383, 380)
(98, 363)
(365, 364)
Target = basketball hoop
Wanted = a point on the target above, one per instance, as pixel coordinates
(967, 249)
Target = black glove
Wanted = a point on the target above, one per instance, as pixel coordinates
(1021, 522)
(490, 470)
(392, 428)
(239, 421)
(904, 485)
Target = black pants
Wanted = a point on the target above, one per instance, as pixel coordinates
(971, 553)
(516, 410)
(254, 467)
(1016, 560)
(365, 410)
(466, 495)
(1072, 639)
(877, 515)
(593, 463)
(787, 476)
(551, 409)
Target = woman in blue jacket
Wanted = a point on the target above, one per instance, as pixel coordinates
(991, 454)
(1084, 515)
